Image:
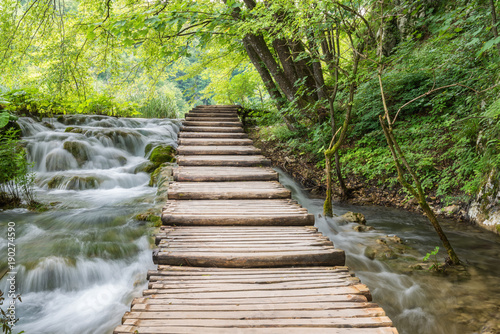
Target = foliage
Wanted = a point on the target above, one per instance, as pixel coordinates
(7, 322)
(435, 262)
(16, 180)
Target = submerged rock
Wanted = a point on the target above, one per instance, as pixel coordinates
(362, 228)
(78, 150)
(354, 217)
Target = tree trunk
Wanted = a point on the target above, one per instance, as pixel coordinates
(494, 22)
(259, 45)
(264, 73)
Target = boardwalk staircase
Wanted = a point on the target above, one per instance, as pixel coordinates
(237, 255)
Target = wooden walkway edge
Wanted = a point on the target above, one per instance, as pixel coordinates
(237, 255)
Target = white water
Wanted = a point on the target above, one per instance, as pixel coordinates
(80, 264)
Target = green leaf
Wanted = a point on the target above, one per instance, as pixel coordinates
(488, 45)
(4, 119)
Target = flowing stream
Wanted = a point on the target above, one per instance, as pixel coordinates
(80, 263)
(418, 301)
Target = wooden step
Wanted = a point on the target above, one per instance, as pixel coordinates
(302, 249)
(214, 142)
(235, 212)
(227, 190)
(211, 129)
(203, 118)
(211, 114)
(217, 150)
(223, 160)
(209, 135)
(211, 123)
(208, 174)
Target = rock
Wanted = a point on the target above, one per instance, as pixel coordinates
(354, 217)
(161, 154)
(145, 167)
(394, 239)
(78, 150)
(451, 209)
(485, 210)
(73, 130)
(48, 125)
(362, 228)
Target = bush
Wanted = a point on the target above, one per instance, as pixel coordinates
(16, 181)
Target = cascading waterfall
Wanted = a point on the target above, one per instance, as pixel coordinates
(80, 263)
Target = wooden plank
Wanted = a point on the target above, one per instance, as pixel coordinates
(214, 142)
(328, 257)
(217, 150)
(272, 314)
(153, 306)
(227, 190)
(223, 160)
(208, 174)
(210, 135)
(212, 114)
(222, 330)
(211, 129)
(214, 123)
(315, 322)
(213, 118)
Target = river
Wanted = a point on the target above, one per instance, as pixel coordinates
(80, 263)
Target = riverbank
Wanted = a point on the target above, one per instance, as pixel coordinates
(304, 169)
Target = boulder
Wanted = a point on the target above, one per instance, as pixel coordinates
(354, 217)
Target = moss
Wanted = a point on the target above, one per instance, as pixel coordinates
(161, 154)
(74, 130)
(148, 216)
(154, 177)
(498, 229)
(60, 119)
(55, 182)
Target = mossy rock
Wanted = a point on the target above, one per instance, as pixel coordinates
(74, 130)
(55, 182)
(161, 154)
(77, 150)
(83, 182)
(148, 216)
(154, 176)
(145, 167)
(354, 217)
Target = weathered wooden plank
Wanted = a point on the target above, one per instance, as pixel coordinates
(217, 150)
(227, 190)
(223, 160)
(328, 257)
(215, 142)
(272, 314)
(240, 330)
(214, 123)
(151, 305)
(315, 322)
(211, 114)
(264, 285)
(201, 117)
(211, 129)
(210, 135)
(208, 174)
(253, 279)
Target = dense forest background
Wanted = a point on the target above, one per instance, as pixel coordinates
(384, 91)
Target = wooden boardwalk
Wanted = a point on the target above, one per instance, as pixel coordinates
(237, 255)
